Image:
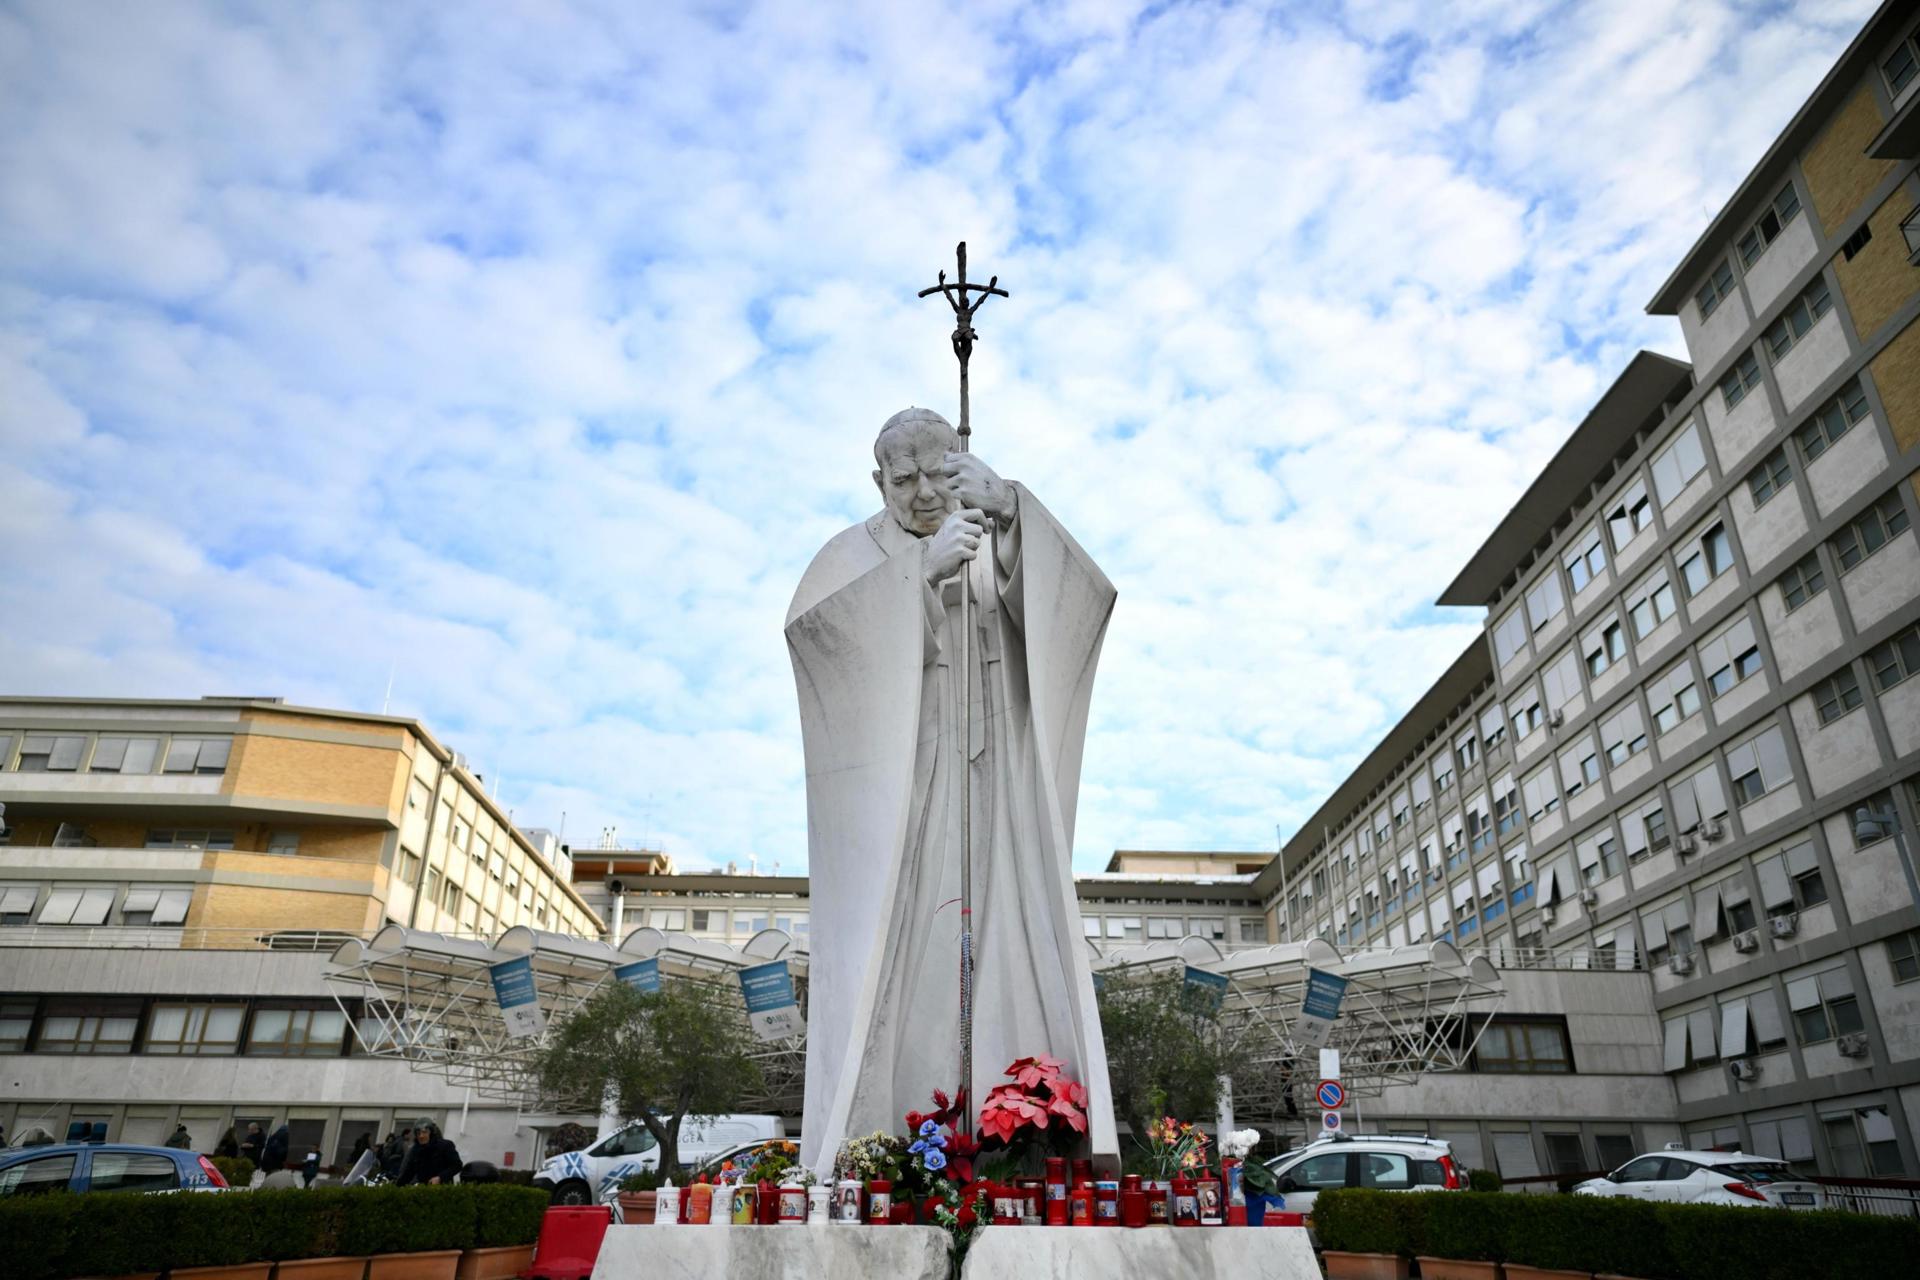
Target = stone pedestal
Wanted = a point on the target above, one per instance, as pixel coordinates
(773, 1253)
(1175, 1253)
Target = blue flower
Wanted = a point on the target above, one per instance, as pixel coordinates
(929, 1128)
(935, 1161)
(918, 1147)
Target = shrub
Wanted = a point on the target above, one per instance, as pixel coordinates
(407, 1219)
(39, 1232)
(507, 1215)
(1583, 1233)
(645, 1180)
(1359, 1221)
(1470, 1228)
(1483, 1180)
(237, 1170)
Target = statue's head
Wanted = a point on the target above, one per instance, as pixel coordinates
(910, 456)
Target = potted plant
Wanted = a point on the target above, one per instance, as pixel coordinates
(1466, 1236)
(1362, 1235)
(1171, 1147)
(506, 1223)
(637, 1197)
(409, 1233)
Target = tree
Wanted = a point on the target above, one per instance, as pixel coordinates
(1165, 1050)
(658, 1056)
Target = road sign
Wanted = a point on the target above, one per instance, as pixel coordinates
(1331, 1095)
(1330, 1121)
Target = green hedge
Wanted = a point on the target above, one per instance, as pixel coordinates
(111, 1234)
(1626, 1237)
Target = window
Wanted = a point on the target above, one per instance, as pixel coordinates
(16, 1024)
(1681, 462)
(1803, 581)
(1868, 533)
(1894, 659)
(37, 1177)
(1831, 421)
(1492, 728)
(1545, 600)
(1509, 637)
(144, 908)
(1863, 1144)
(1903, 955)
(88, 1026)
(43, 753)
(1800, 316)
(194, 1029)
(124, 755)
(1506, 806)
(1773, 474)
(1443, 779)
(1758, 765)
(1823, 1006)
(1468, 748)
(1623, 735)
(1717, 288)
(1525, 711)
(1599, 857)
(1528, 1048)
(1126, 927)
(1706, 559)
(1561, 680)
(170, 839)
(1689, 1042)
(132, 1171)
(1586, 562)
(1838, 694)
(1673, 697)
(1742, 378)
(1731, 656)
(1790, 881)
(1768, 228)
(1669, 932)
(16, 905)
(77, 906)
(198, 755)
(1629, 515)
(286, 842)
(297, 1033)
(1604, 646)
(1163, 927)
(1540, 795)
(1580, 767)
(1650, 603)
(450, 897)
(1900, 65)
(1253, 929)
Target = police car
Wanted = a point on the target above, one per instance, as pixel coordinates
(104, 1166)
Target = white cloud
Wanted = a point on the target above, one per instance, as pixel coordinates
(530, 353)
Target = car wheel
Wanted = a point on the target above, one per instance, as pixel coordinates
(574, 1192)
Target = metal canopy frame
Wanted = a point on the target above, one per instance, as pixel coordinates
(427, 999)
(1407, 1010)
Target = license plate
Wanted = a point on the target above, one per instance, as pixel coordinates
(1796, 1197)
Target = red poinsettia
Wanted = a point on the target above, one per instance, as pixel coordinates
(1039, 1094)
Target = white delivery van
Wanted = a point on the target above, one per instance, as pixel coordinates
(580, 1177)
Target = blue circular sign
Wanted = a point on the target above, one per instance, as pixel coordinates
(1331, 1095)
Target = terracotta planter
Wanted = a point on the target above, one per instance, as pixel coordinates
(1364, 1266)
(1457, 1269)
(503, 1262)
(321, 1269)
(433, 1264)
(636, 1208)
(238, 1271)
(1519, 1271)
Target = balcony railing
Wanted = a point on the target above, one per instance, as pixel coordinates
(164, 938)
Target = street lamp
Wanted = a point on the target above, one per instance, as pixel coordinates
(1870, 825)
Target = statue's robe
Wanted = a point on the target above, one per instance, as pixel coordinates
(875, 657)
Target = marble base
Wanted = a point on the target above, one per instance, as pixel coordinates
(1190, 1253)
(773, 1253)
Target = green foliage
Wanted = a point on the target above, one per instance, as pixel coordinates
(683, 1050)
(1470, 1228)
(1483, 1180)
(1165, 1053)
(1361, 1221)
(237, 1170)
(117, 1233)
(645, 1180)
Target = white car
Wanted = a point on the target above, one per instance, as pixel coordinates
(1736, 1178)
(581, 1177)
(1364, 1160)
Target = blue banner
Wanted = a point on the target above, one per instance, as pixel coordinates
(641, 975)
(1324, 993)
(519, 999)
(1208, 990)
(771, 1007)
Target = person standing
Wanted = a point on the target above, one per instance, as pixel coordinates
(181, 1139)
(253, 1146)
(432, 1160)
(393, 1154)
(310, 1166)
(229, 1145)
(273, 1156)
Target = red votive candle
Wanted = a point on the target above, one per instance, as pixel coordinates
(1080, 1205)
(1186, 1209)
(1106, 1203)
(1133, 1202)
(879, 1202)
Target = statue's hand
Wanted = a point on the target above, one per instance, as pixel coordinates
(957, 542)
(977, 485)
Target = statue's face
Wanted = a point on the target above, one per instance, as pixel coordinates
(913, 477)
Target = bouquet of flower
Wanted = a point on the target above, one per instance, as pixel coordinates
(936, 1172)
(1174, 1146)
(769, 1162)
(875, 1156)
(1038, 1095)
(1254, 1175)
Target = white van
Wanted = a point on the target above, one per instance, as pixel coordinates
(579, 1177)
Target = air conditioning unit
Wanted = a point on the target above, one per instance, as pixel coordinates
(1713, 829)
(1589, 897)
(1784, 925)
(1686, 845)
(1852, 1046)
(1548, 911)
(1682, 963)
(1747, 940)
(1742, 1069)
(1557, 719)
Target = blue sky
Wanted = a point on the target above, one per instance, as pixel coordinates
(527, 352)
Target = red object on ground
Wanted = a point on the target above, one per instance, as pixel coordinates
(1275, 1218)
(569, 1243)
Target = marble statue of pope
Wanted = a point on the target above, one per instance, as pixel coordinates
(872, 632)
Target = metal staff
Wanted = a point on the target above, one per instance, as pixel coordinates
(956, 294)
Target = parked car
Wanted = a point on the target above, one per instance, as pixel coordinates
(105, 1166)
(743, 1153)
(579, 1177)
(1709, 1177)
(1364, 1160)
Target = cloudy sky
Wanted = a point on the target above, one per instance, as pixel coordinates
(526, 352)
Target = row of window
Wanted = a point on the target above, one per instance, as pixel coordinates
(1248, 929)
(104, 753)
(108, 1025)
(157, 906)
(1752, 243)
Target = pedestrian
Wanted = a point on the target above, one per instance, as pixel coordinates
(254, 1144)
(393, 1155)
(432, 1160)
(310, 1167)
(274, 1155)
(229, 1145)
(181, 1139)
